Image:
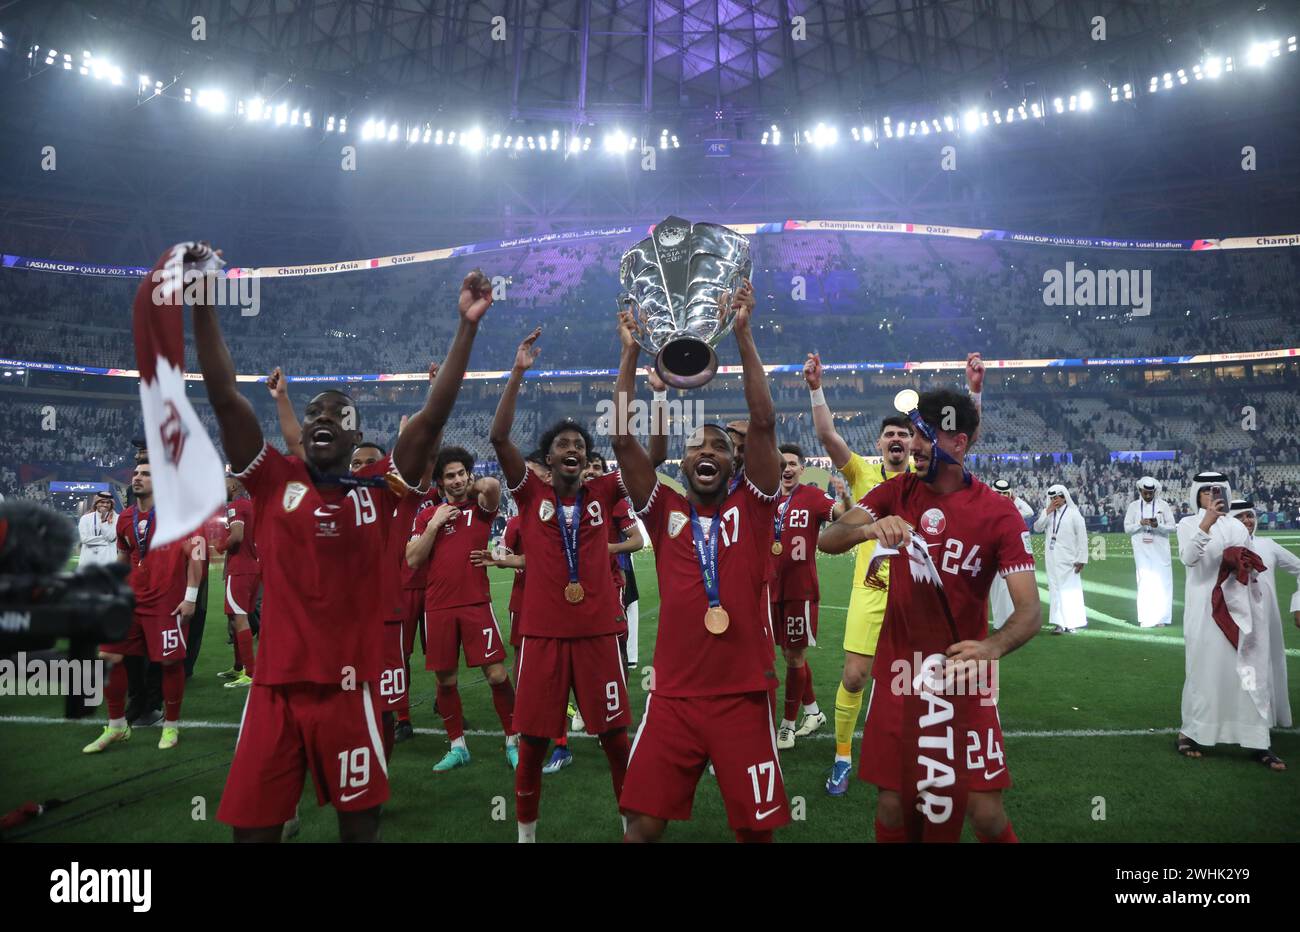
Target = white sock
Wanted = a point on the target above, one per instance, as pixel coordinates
(633, 613)
(527, 833)
(117, 723)
(460, 743)
(512, 741)
(812, 709)
(624, 818)
(786, 723)
(841, 757)
(175, 724)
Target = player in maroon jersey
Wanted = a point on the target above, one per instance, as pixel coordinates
(458, 601)
(570, 617)
(243, 578)
(165, 581)
(932, 742)
(793, 593)
(713, 655)
(321, 530)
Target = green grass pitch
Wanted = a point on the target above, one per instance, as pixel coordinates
(1088, 722)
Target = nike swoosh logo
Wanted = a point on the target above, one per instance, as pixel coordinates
(351, 796)
(764, 815)
(325, 511)
(990, 776)
(395, 700)
(610, 718)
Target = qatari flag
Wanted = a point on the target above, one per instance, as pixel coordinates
(188, 474)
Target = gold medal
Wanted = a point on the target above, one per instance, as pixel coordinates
(776, 548)
(716, 620)
(573, 593)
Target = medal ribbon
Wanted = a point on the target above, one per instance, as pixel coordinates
(569, 534)
(778, 520)
(142, 546)
(706, 552)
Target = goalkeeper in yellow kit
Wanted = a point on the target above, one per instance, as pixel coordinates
(866, 606)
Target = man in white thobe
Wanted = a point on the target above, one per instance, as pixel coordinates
(98, 529)
(1000, 607)
(1066, 556)
(1150, 521)
(1227, 690)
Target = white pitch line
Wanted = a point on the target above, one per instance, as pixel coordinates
(481, 733)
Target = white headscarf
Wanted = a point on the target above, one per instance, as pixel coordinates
(1149, 482)
(1059, 489)
(1203, 479)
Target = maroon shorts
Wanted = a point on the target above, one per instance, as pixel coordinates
(289, 730)
(472, 628)
(392, 676)
(794, 624)
(550, 667)
(678, 738)
(241, 593)
(412, 618)
(977, 747)
(161, 638)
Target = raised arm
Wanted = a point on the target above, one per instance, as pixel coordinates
(763, 464)
(635, 541)
(634, 463)
(488, 491)
(657, 444)
(830, 438)
(290, 426)
(508, 455)
(411, 451)
(241, 434)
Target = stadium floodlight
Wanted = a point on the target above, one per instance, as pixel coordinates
(632, 143)
(586, 143)
(1213, 68)
(541, 143)
(948, 122)
(763, 140)
(282, 114)
(676, 144)
(211, 99)
(555, 139)
(50, 55)
(867, 134)
(116, 76)
(1085, 100)
(2, 40)
(1182, 75)
(615, 141)
(1257, 54)
(343, 125)
(256, 106)
(294, 116)
(472, 140)
(1227, 64)
(970, 121)
(186, 95)
(412, 135)
(1128, 91)
(368, 130)
(306, 119)
(925, 128)
(239, 107)
(1290, 42)
(997, 117)
(1168, 80)
(67, 61)
(575, 145)
(1058, 105)
(144, 82)
(532, 142)
(856, 136)
(437, 138)
(519, 143)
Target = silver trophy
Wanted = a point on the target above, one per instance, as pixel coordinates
(678, 283)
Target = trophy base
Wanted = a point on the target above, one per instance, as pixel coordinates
(686, 362)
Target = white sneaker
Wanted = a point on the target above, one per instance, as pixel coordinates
(810, 724)
(785, 739)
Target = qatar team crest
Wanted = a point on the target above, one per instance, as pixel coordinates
(174, 432)
(546, 510)
(933, 522)
(676, 521)
(294, 492)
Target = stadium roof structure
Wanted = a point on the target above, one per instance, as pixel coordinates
(705, 62)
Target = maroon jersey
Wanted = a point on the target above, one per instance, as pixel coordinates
(322, 548)
(393, 585)
(511, 541)
(418, 577)
(621, 521)
(688, 660)
(546, 612)
(792, 575)
(243, 562)
(972, 535)
(453, 580)
(158, 577)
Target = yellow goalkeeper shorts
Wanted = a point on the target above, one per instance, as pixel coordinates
(865, 619)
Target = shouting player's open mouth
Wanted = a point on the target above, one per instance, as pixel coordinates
(570, 462)
(706, 470)
(896, 448)
(322, 438)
